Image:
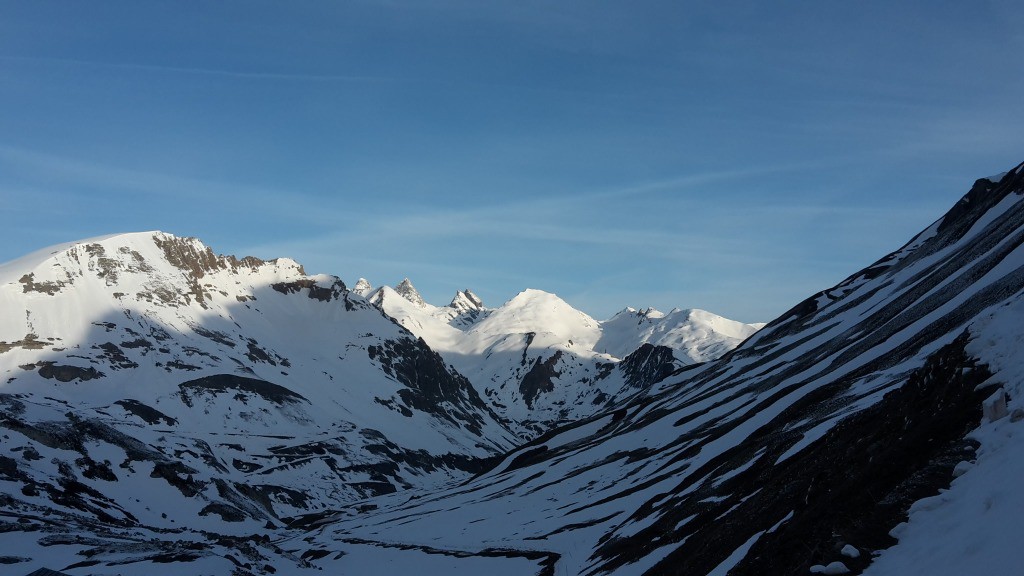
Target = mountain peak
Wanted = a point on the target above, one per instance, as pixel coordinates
(542, 312)
(465, 301)
(409, 292)
(648, 313)
(651, 312)
(533, 294)
(362, 287)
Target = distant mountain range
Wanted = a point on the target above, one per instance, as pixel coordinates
(538, 362)
(166, 410)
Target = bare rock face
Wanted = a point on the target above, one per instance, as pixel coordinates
(53, 371)
(196, 261)
(191, 256)
(540, 378)
(431, 386)
(50, 288)
(648, 365)
(409, 292)
(314, 289)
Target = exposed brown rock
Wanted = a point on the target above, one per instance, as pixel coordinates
(30, 285)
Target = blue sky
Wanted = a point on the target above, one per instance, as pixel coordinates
(731, 156)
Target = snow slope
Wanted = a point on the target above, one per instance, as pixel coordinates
(694, 335)
(801, 451)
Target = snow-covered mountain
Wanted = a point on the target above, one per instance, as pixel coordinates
(540, 362)
(874, 428)
(693, 335)
(143, 364)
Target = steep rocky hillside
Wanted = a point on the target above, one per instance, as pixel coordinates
(829, 437)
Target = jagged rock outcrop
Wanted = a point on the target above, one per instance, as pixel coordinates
(466, 302)
(406, 290)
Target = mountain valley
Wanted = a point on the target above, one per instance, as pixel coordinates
(168, 410)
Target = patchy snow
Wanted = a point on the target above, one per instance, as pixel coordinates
(12, 270)
(734, 558)
(975, 527)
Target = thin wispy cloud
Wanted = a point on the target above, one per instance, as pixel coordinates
(139, 185)
(247, 75)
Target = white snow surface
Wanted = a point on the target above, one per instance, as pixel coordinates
(696, 335)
